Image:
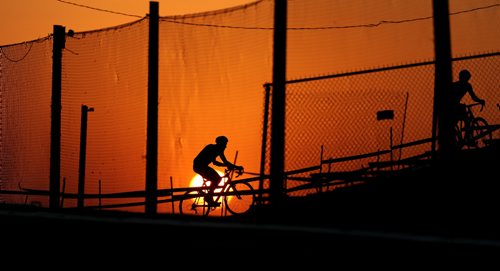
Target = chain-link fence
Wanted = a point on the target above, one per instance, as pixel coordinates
(331, 118)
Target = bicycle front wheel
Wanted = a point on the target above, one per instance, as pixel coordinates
(481, 135)
(193, 203)
(240, 198)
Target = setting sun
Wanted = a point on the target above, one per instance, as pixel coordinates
(188, 206)
(197, 180)
(240, 198)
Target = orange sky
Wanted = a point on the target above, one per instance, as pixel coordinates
(25, 20)
(224, 61)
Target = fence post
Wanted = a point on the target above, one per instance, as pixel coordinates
(63, 191)
(267, 88)
(152, 119)
(83, 154)
(443, 79)
(278, 103)
(55, 129)
(172, 194)
(100, 194)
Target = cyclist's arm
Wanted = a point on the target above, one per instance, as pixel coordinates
(228, 164)
(475, 97)
(225, 162)
(219, 164)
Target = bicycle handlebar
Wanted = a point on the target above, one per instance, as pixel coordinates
(239, 172)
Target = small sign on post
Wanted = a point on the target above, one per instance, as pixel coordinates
(385, 115)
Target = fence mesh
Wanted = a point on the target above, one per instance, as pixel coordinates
(335, 117)
(25, 88)
(107, 71)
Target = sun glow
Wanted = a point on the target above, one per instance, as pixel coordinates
(197, 181)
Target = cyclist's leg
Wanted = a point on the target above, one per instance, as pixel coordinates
(208, 174)
(214, 178)
(192, 203)
(460, 119)
(459, 133)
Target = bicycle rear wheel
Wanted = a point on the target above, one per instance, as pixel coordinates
(193, 203)
(460, 134)
(240, 198)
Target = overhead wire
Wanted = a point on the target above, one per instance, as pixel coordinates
(99, 9)
(382, 22)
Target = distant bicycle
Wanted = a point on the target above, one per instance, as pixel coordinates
(472, 132)
(237, 197)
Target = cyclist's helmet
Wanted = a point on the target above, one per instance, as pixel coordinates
(221, 140)
(464, 75)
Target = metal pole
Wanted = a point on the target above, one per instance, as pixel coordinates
(100, 194)
(443, 80)
(278, 103)
(63, 191)
(172, 194)
(403, 126)
(267, 87)
(152, 119)
(55, 129)
(83, 155)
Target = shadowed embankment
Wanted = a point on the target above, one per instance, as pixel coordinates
(442, 210)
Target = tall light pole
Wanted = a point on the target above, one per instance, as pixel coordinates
(278, 103)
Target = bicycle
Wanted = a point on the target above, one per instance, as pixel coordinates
(237, 197)
(472, 132)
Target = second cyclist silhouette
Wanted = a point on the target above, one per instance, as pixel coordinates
(208, 155)
(459, 89)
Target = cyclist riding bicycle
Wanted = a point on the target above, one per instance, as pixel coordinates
(458, 90)
(208, 155)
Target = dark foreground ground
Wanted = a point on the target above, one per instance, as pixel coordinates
(444, 215)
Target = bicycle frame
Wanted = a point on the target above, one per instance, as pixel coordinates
(235, 197)
(226, 182)
(470, 129)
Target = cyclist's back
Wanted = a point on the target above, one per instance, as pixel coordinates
(458, 90)
(208, 154)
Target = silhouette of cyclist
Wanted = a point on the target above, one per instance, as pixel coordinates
(208, 155)
(458, 90)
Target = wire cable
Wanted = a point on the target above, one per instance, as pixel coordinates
(2, 54)
(382, 22)
(99, 9)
